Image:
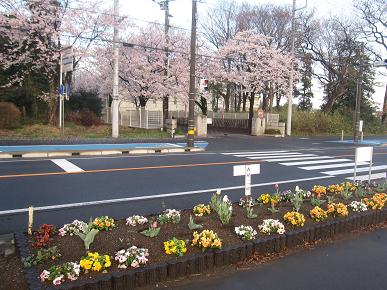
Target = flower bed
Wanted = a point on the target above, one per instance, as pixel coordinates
(137, 260)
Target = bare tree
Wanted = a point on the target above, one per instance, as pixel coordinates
(332, 44)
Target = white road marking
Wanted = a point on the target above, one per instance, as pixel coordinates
(299, 158)
(67, 165)
(327, 166)
(136, 198)
(284, 156)
(268, 154)
(362, 169)
(373, 176)
(256, 152)
(314, 162)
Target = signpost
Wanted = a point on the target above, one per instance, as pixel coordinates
(363, 154)
(247, 171)
(65, 66)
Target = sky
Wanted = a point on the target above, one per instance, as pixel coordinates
(180, 10)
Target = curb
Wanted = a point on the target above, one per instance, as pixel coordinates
(205, 262)
(69, 153)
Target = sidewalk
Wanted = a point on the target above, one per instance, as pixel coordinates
(54, 150)
(351, 264)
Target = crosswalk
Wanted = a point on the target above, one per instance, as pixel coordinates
(329, 165)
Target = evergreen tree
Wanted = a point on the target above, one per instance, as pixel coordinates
(305, 94)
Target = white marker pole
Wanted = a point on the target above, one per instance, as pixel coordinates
(247, 181)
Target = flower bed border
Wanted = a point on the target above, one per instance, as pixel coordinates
(205, 262)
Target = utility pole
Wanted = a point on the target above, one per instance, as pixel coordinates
(291, 77)
(192, 89)
(290, 98)
(115, 103)
(164, 5)
(359, 92)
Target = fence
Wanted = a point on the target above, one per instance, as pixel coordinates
(139, 118)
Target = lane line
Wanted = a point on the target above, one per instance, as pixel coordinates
(67, 165)
(136, 198)
(327, 166)
(128, 169)
(362, 169)
(299, 158)
(256, 152)
(314, 162)
(373, 176)
(284, 156)
(268, 154)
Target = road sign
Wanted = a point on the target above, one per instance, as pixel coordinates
(260, 114)
(67, 59)
(363, 154)
(247, 171)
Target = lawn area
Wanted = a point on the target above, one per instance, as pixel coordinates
(43, 131)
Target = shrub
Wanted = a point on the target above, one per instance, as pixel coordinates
(85, 118)
(9, 115)
(85, 100)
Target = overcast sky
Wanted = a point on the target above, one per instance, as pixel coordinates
(181, 16)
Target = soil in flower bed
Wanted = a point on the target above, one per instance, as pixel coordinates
(123, 236)
(11, 273)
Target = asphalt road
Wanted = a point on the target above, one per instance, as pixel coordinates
(80, 187)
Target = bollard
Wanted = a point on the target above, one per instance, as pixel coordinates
(30, 219)
(361, 137)
(342, 135)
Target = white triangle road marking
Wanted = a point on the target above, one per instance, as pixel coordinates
(327, 166)
(314, 162)
(362, 169)
(67, 165)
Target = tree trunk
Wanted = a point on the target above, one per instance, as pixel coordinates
(244, 98)
(227, 98)
(251, 111)
(52, 104)
(384, 113)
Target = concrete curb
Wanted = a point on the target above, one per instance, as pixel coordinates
(69, 153)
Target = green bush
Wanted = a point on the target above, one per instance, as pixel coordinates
(85, 100)
(9, 115)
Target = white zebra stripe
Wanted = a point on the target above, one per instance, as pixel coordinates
(327, 166)
(284, 156)
(362, 169)
(314, 162)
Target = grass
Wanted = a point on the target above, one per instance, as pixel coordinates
(44, 131)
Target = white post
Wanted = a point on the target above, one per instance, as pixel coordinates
(115, 127)
(291, 77)
(342, 135)
(369, 170)
(361, 137)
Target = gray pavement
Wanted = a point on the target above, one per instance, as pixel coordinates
(358, 264)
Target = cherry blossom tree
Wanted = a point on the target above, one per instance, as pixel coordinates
(248, 61)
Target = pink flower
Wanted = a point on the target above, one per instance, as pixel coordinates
(58, 280)
(44, 275)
